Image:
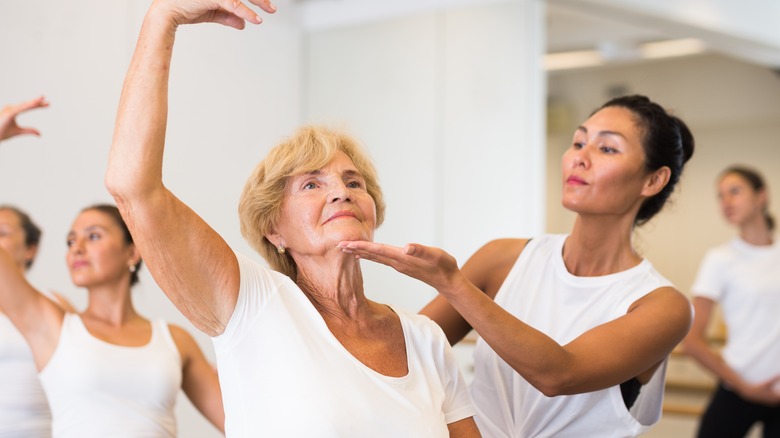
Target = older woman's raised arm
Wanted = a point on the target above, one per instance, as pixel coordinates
(192, 264)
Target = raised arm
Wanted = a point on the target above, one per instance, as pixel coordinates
(605, 356)
(8, 125)
(36, 317)
(192, 264)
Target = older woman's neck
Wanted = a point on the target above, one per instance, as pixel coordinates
(334, 290)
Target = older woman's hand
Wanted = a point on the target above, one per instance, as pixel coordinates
(8, 126)
(428, 264)
(233, 13)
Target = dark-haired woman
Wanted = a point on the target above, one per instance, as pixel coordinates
(24, 411)
(741, 276)
(107, 371)
(575, 329)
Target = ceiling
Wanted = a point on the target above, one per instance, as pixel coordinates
(598, 24)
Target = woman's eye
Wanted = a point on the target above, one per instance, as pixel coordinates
(577, 145)
(608, 149)
(354, 184)
(309, 186)
(69, 243)
(94, 236)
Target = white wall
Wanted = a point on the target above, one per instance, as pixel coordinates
(233, 95)
(450, 105)
(731, 108)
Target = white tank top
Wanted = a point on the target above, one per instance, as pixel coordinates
(541, 292)
(24, 411)
(98, 389)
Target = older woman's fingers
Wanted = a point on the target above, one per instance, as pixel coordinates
(228, 19)
(265, 5)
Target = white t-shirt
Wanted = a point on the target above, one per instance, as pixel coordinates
(284, 374)
(97, 389)
(541, 292)
(24, 411)
(745, 280)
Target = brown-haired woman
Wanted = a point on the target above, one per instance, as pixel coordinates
(741, 276)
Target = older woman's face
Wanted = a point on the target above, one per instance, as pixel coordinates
(324, 207)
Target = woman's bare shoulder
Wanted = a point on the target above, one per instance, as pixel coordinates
(490, 265)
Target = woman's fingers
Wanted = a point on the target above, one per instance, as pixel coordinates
(233, 13)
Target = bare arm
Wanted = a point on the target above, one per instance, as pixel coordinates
(199, 379)
(192, 264)
(604, 356)
(36, 317)
(465, 428)
(502, 253)
(697, 346)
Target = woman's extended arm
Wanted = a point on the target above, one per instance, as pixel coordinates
(36, 317)
(502, 255)
(199, 379)
(604, 356)
(697, 346)
(192, 264)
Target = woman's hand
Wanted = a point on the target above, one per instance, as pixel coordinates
(233, 13)
(8, 126)
(765, 393)
(428, 264)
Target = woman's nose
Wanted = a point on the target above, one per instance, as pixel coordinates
(340, 193)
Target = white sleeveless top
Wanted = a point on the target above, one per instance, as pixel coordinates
(24, 411)
(284, 374)
(97, 389)
(541, 292)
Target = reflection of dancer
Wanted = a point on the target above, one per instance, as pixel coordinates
(107, 371)
(301, 350)
(575, 329)
(742, 277)
(24, 411)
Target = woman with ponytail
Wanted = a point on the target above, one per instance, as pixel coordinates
(575, 330)
(741, 275)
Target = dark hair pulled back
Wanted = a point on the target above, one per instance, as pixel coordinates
(666, 141)
(113, 212)
(32, 232)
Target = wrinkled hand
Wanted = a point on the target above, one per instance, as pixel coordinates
(233, 13)
(8, 126)
(765, 393)
(428, 264)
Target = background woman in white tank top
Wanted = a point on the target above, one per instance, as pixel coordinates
(107, 371)
(741, 276)
(24, 411)
(606, 320)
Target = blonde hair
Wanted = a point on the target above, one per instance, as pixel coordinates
(309, 149)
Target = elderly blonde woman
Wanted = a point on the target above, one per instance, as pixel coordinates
(301, 351)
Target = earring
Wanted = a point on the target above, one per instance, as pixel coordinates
(280, 249)
(132, 268)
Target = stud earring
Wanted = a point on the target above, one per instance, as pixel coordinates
(280, 249)
(132, 268)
